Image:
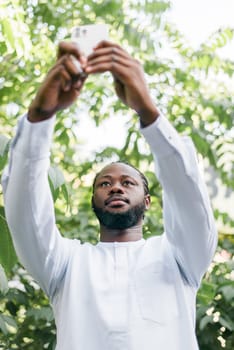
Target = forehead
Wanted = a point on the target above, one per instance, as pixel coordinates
(119, 170)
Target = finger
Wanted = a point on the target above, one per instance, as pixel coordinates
(78, 85)
(70, 48)
(72, 66)
(65, 80)
(109, 51)
(76, 64)
(114, 54)
(106, 43)
(59, 77)
(115, 64)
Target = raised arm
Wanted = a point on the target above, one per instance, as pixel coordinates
(28, 202)
(189, 224)
(188, 219)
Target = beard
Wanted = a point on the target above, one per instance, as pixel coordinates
(120, 221)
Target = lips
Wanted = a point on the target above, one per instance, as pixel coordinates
(116, 200)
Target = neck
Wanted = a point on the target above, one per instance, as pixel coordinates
(130, 234)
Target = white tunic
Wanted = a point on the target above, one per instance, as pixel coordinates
(115, 296)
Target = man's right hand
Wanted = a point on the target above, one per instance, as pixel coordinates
(62, 84)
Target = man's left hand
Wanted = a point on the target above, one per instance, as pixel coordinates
(129, 78)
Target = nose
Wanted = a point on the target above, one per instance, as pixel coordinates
(116, 188)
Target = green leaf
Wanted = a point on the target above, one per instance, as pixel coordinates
(8, 32)
(204, 321)
(66, 194)
(56, 180)
(56, 177)
(8, 257)
(227, 324)
(206, 293)
(10, 321)
(43, 313)
(3, 281)
(4, 146)
(228, 291)
(201, 144)
(3, 326)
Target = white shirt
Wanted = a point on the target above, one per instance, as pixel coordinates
(115, 296)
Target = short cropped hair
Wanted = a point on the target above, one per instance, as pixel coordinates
(144, 179)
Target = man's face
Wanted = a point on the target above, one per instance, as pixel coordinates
(119, 200)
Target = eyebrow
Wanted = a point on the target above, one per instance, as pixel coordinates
(110, 177)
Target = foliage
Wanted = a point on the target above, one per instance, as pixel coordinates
(26, 319)
(192, 87)
(215, 301)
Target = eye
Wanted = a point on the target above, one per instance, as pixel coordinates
(128, 183)
(104, 184)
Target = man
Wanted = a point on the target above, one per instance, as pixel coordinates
(125, 293)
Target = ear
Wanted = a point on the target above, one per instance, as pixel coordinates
(147, 201)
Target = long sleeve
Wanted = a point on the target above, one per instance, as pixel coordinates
(188, 219)
(29, 206)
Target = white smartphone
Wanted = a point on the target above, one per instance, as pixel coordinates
(88, 36)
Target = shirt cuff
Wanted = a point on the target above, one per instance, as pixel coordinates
(34, 139)
(163, 137)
